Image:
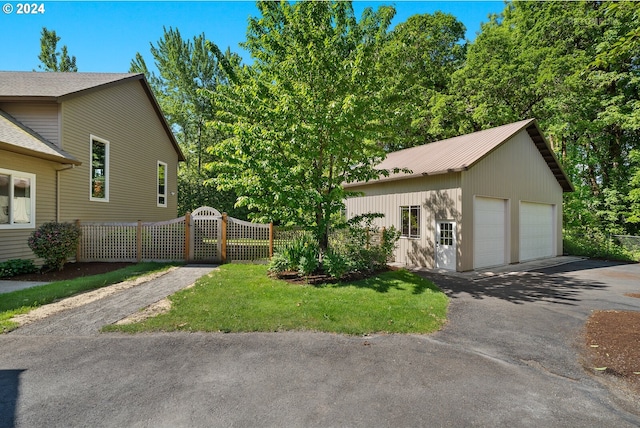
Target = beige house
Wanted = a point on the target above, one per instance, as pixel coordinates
(484, 199)
(88, 146)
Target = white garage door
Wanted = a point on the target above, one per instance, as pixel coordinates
(536, 231)
(489, 231)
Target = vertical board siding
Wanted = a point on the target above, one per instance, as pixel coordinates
(124, 116)
(41, 117)
(13, 242)
(439, 199)
(515, 171)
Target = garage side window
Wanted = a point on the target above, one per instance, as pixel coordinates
(17, 199)
(410, 218)
(162, 184)
(99, 169)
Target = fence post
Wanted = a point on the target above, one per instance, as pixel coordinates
(78, 248)
(187, 236)
(139, 241)
(270, 239)
(223, 239)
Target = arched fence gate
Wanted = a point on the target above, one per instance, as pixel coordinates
(219, 238)
(204, 236)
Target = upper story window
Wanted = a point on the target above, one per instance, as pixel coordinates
(17, 199)
(162, 184)
(99, 169)
(410, 219)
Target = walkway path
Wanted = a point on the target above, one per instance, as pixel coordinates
(90, 318)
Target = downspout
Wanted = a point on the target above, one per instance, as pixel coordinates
(67, 167)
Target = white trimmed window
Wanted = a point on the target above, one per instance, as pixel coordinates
(17, 200)
(99, 161)
(410, 221)
(162, 184)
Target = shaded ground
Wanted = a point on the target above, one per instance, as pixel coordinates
(592, 303)
(612, 338)
(71, 271)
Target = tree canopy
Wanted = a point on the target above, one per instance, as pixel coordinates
(305, 116)
(50, 57)
(329, 94)
(188, 69)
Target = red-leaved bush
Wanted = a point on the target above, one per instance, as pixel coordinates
(55, 242)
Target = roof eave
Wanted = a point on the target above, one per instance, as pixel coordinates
(550, 157)
(36, 154)
(163, 119)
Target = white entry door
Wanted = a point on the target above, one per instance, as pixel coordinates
(446, 245)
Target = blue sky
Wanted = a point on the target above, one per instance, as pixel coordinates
(105, 35)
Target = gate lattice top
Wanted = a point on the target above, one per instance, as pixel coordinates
(206, 212)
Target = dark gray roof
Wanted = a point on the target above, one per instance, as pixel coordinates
(17, 138)
(58, 86)
(20, 84)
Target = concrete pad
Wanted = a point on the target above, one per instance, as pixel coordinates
(515, 268)
(7, 286)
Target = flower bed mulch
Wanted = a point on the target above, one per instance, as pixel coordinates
(70, 271)
(319, 278)
(613, 345)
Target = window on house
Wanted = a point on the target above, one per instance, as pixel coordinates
(410, 219)
(162, 184)
(17, 199)
(99, 169)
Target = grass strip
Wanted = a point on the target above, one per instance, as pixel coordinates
(23, 301)
(241, 298)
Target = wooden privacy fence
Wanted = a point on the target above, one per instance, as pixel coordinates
(202, 236)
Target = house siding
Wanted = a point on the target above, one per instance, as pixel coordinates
(124, 117)
(517, 172)
(439, 197)
(42, 117)
(13, 242)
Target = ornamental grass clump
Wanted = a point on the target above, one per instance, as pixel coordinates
(55, 243)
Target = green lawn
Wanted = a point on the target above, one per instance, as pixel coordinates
(23, 301)
(241, 298)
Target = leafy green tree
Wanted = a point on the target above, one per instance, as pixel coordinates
(557, 61)
(188, 70)
(633, 198)
(305, 116)
(51, 58)
(419, 59)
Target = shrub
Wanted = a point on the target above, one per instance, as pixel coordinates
(365, 255)
(16, 267)
(308, 264)
(305, 246)
(595, 245)
(55, 242)
(279, 263)
(335, 264)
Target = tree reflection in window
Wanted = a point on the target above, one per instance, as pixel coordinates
(410, 219)
(98, 169)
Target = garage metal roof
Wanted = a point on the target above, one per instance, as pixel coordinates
(462, 152)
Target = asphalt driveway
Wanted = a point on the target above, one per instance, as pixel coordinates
(508, 357)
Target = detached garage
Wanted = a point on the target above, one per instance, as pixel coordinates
(479, 200)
